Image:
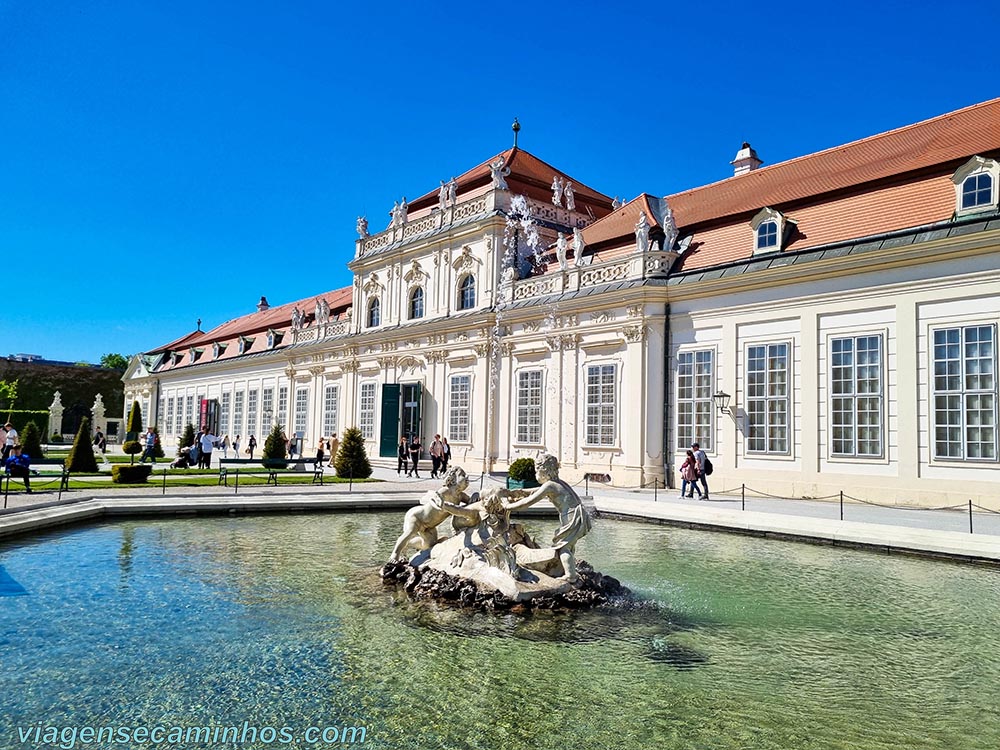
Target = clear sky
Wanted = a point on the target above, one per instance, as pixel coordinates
(162, 162)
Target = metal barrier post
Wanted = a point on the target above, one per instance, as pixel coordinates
(482, 477)
(841, 505)
(6, 490)
(237, 481)
(970, 513)
(586, 484)
(743, 497)
(655, 483)
(164, 481)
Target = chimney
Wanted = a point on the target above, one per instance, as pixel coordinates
(262, 305)
(746, 160)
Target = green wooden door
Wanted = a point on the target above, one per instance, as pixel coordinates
(389, 436)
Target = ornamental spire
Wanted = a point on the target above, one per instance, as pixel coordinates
(516, 127)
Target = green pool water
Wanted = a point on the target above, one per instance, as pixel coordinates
(282, 622)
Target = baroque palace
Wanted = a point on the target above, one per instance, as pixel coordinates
(823, 324)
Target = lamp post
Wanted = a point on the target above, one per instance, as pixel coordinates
(721, 400)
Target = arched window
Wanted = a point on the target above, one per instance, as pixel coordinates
(977, 191)
(374, 313)
(467, 293)
(417, 303)
(767, 235)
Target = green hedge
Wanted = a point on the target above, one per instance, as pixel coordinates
(125, 474)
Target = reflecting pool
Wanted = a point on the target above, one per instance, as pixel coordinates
(283, 622)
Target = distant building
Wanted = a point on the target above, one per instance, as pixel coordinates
(827, 323)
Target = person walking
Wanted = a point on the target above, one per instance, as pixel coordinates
(320, 451)
(689, 475)
(150, 446)
(403, 457)
(251, 446)
(334, 446)
(100, 442)
(236, 447)
(699, 456)
(445, 455)
(415, 455)
(19, 465)
(436, 451)
(9, 441)
(207, 442)
(225, 446)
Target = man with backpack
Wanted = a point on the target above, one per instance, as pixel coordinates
(704, 467)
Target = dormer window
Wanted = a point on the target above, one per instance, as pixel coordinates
(768, 231)
(177, 357)
(374, 313)
(218, 350)
(245, 344)
(417, 303)
(194, 353)
(273, 338)
(976, 185)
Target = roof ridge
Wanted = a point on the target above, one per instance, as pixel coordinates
(842, 146)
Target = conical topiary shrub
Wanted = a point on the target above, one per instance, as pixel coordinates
(81, 455)
(31, 441)
(134, 422)
(352, 459)
(274, 446)
(157, 448)
(187, 439)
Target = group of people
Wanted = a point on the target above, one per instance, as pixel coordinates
(408, 456)
(15, 461)
(198, 454)
(693, 471)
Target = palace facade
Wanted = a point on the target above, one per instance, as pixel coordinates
(827, 323)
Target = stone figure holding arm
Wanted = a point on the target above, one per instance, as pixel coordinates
(420, 523)
(574, 522)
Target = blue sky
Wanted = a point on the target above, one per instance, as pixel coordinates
(163, 162)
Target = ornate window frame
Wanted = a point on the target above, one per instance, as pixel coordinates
(764, 217)
(373, 317)
(460, 289)
(974, 168)
(411, 306)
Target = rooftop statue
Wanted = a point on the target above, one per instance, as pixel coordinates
(578, 245)
(443, 196)
(362, 227)
(642, 233)
(453, 191)
(561, 248)
(499, 172)
(557, 191)
(568, 195)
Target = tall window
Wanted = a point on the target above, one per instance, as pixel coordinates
(695, 380)
(529, 406)
(170, 416)
(856, 402)
(366, 416)
(467, 293)
(977, 191)
(267, 408)
(331, 403)
(238, 412)
(252, 412)
(188, 412)
(602, 404)
(458, 409)
(374, 313)
(283, 406)
(417, 303)
(965, 393)
(160, 413)
(767, 398)
(301, 409)
(146, 421)
(224, 403)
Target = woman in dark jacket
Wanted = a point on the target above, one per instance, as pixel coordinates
(403, 455)
(415, 455)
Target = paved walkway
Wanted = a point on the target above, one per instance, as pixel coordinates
(888, 529)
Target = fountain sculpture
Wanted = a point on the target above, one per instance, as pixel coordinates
(490, 561)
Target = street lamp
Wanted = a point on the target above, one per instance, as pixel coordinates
(721, 400)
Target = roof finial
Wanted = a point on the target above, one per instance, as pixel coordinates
(516, 127)
(199, 324)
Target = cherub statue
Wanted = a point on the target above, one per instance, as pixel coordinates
(498, 172)
(561, 248)
(362, 227)
(568, 195)
(574, 522)
(420, 523)
(557, 191)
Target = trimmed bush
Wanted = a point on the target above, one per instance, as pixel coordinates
(134, 422)
(352, 458)
(274, 446)
(81, 455)
(31, 441)
(56, 438)
(522, 470)
(131, 447)
(130, 474)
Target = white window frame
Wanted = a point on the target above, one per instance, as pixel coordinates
(530, 406)
(975, 167)
(412, 300)
(331, 409)
(189, 412)
(366, 409)
(301, 410)
(764, 216)
(170, 416)
(600, 405)
(374, 311)
(695, 386)
(461, 292)
(252, 398)
(460, 408)
(267, 407)
(238, 400)
(282, 416)
(768, 400)
(225, 403)
(860, 384)
(965, 399)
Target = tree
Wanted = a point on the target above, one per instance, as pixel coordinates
(8, 390)
(115, 361)
(157, 448)
(352, 459)
(31, 441)
(187, 438)
(81, 455)
(274, 446)
(134, 422)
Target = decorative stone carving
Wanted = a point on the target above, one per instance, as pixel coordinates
(298, 318)
(569, 197)
(634, 311)
(634, 334)
(578, 245)
(567, 321)
(290, 372)
(372, 286)
(462, 336)
(498, 173)
(362, 227)
(415, 275)
(561, 248)
(570, 341)
(554, 343)
(437, 356)
(506, 349)
(56, 414)
(531, 325)
(317, 369)
(351, 365)
(642, 233)
(386, 362)
(465, 261)
(669, 228)
(437, 339)
(557, 191)
(482, 349)
(602, 317)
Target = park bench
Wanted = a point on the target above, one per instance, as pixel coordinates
(226, 464)
(55, 467)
